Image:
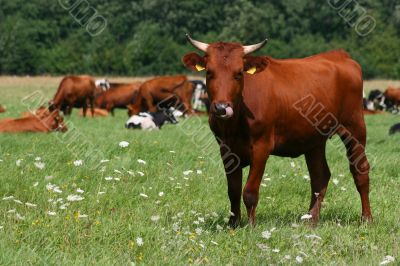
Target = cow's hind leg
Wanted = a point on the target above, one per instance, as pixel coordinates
(354, 138)
(320, 175)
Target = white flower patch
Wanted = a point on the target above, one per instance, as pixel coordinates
(263, 247)
(50, 213)
(343, 189)
(267, 233)
(117, 171)
(8, 198)
(335, 181)
(276, 250)
(141, 161)
(53, 188)
(38, 159)
(387, 259)
(101, 193)
(139, 241)
(187, 172)
(140, 173)
(104, 161)
(80, 191)
(299, 259)
(19, 216)
(143, 195)
(161, 194)
(11, 211)
(109, 178)
(214, 243)
(78, 163)
(40, 165)
(198, 231)
(82, 215)
(155, 218)
(30, 205)
(48, 177)
(292, 164)
(199, 172)
(35, 184)
(172, 151)
(75, 198)
(64, 206)
(1, 227)
(18, 201)
(124, 144)
(306, 217)
(18, 162)
(306, 177)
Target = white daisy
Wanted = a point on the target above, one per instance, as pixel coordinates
(141, 161)
(50, 213)
(299, 259)
(139, 241)
(31, 205)
(335, 181)
(387, 259)
(143, 195)
(155, 218)
(75, 198)
(306, 217)
(124, 144)
(78, 162)
(40, 165)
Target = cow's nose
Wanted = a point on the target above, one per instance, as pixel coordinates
(223, 110)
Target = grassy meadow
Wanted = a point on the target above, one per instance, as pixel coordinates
(81, 199)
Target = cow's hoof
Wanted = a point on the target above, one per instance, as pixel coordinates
(234, 222)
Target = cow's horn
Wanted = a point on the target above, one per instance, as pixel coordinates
(252, 48)
(199, 45)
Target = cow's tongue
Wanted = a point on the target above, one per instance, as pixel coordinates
(228, 111)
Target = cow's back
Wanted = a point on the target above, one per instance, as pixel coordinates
(287, 96)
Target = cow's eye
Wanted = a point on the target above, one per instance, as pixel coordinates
(239, 76)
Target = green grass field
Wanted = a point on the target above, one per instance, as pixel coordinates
(130, 213)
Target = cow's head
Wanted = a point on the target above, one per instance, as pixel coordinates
(54, 121)
(225, 64)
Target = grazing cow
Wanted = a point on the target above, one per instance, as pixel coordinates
(45, 123)
(120, 95)
(74, 91)
(261, 106)
(2, 109)
(394, 129)
(392, 96)
(163, 92)
(150, 121)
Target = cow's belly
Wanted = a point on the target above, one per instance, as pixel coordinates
(295, 147)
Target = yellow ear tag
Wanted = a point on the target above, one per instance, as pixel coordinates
(199, 68)
(252, 70)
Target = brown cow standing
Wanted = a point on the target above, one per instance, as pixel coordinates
(120, 95)
(262, 106)
(74, 91)
(162, 90)
(2, 109)
(46, 123)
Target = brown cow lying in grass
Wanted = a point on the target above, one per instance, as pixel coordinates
(2, 109)
(45, 123)
(40, 112)
(97, 112)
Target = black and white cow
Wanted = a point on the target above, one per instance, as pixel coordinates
(103, 84)
(151, 121)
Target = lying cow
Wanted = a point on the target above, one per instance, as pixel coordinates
(2, 109)
(74, 91)
(45, 124)
(40, 112)
(394, 129)
(151, 121)
(261, 106)
(97, 112)
(392, 96)
(119, 95)
(163, 92)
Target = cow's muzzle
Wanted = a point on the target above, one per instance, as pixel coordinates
(223, 110)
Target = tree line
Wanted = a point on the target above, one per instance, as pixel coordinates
(147, 37)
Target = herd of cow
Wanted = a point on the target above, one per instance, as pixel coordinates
(258, 106)
(150, 104)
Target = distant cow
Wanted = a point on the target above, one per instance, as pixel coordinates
(2, 109)
(375, 101)
(74, 91)
(150, 121)
(119, 95)
(97, 112)
(163, 92)
(394, 129)
(40, 112)
(392, 95)
(46, 123)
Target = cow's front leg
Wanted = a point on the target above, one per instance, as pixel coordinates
(259, 157)
(235, 193)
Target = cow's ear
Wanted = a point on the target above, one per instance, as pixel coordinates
(194, 62)
(254, 64)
